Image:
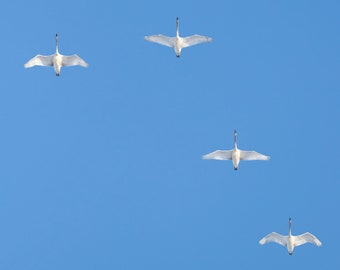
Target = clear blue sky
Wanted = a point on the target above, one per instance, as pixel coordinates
(101, 167)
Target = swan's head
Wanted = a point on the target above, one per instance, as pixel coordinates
(56, 36)
(290, 221)
(235, 133)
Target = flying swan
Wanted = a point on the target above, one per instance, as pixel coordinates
(290, 241)
(177, 42)
(235, 155)
(56, 60)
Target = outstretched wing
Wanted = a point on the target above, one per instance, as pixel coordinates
(160, 39)
(274, 237)
(195, 39)
(73, 60)
(219, 155)
(40, 60)
(252, 155)
(306, 238)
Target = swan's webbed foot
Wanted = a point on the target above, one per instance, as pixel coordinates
(290, 253)
(57, 74)
(178, 55)
(235, 168)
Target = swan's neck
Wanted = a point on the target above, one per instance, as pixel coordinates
(290, 227)
(235, 141)
(177, 27)
(56, 44)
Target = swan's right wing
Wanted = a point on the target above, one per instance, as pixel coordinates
(306, 237)
(252, 155)
(73, 60)
(195, 39)
(40, 60)
(274, 237)
(160, 39)
(219, 155)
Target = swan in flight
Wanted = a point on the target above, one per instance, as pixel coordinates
(56, 60)
(290, 241)
(177, 42)
(235, 154)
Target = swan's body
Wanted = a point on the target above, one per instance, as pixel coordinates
(56, 60)
(290, 241)
(235, 155)
(177, 42)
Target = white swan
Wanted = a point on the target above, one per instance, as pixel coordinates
(235, 155)
(177, 42)
(290, 241)
(56, 60)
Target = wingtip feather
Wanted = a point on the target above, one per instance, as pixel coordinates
(262, 241)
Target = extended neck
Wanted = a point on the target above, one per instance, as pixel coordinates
(290, 227)
(56, 44)
(177, 27)
(235, 142)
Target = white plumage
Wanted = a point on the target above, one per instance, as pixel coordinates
(290, 241)
(177, 42)
(236, 155)
(56, 60)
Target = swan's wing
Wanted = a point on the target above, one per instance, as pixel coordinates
(40, 60)
(274, 237)
(164, 40)
(306, 238)
(73, 60)
(219, 154)
(252, 155)
(195, 39)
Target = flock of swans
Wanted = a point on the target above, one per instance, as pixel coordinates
(289, 241)
(58, 60)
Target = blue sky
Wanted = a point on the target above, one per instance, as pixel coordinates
(101, 167)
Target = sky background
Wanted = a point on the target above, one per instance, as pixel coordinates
(101, 167)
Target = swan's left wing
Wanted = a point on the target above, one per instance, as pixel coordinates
(274, 237)
(73, 60)
(306, 238)
(219, 155)
(40, 60)
(252, 155)
(161, 39)
(195, 39)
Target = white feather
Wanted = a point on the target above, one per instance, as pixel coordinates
(177, 42)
